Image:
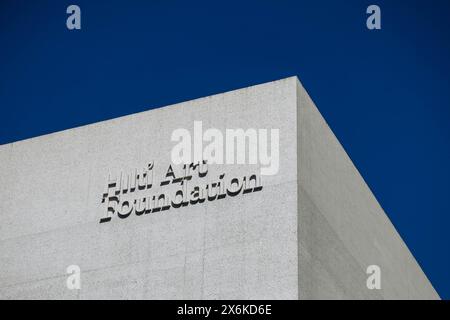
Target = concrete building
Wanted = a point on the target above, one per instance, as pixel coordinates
(103, 198)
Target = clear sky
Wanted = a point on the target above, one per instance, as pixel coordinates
(384, 93)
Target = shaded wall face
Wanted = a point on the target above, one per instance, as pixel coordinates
(238, 247)
(342, 227)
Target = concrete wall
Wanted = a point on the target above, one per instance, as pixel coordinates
(305, 235)
(241, 247)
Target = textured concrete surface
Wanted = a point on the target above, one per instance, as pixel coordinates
(310, 233)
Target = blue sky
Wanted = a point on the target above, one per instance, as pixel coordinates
(385, 93)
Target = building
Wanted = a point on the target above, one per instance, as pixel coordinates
(107, 200)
